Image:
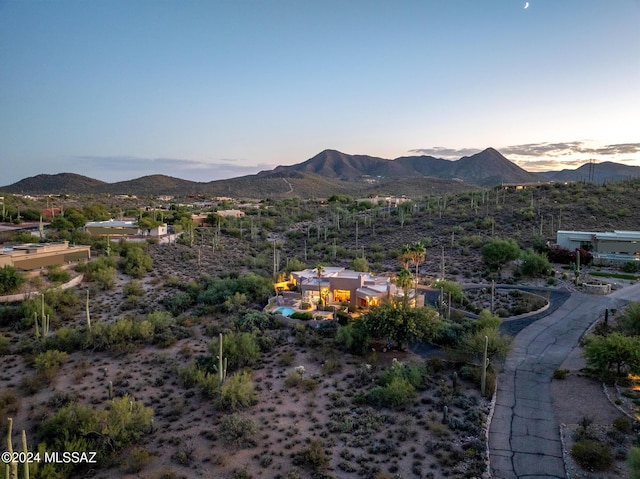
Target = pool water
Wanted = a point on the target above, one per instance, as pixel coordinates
(285, 311)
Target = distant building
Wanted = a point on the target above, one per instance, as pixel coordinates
(122, 228)
(33, 256)
(230, 213)
(614, 245)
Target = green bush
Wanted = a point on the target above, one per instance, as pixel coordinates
(10, 279)
(241, 349)
(301, 315)
(237, 430)
(633, 461)
(237, 392)
(48, 363)
(5, 345)
(592, 455)
(623, 424)
(58, 275)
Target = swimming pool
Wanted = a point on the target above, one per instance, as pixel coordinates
(285, 310)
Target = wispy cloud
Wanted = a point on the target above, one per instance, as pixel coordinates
(446, 153)
(557, 150)
(128, 167)
(549, 150)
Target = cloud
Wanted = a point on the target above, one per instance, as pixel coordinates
(557, 150)
(447, 153)
(127, 167)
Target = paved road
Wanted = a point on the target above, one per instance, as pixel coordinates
(524, 438)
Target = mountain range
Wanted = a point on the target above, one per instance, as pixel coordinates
(333, 172)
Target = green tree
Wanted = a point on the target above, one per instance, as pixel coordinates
(615, 353)
(534, 264)
(402, 325)
(633, 460)
(404, 281)
(496, 253)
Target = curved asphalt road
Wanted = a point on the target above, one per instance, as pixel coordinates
(524, 437)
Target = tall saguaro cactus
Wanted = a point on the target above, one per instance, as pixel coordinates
(222, 364)
(12, 467)
(88, 313)
(485, 363)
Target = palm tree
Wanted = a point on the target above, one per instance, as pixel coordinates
(405, 256)
(319, 271)
(418, 252)
(404, 281)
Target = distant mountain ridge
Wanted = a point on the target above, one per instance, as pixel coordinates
(487, 168)
(333, 172)
(596, 172)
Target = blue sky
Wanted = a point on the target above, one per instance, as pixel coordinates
(212, 89)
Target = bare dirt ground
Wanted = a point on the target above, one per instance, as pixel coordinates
(580, 400)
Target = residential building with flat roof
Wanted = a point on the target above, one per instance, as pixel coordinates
(38, 255)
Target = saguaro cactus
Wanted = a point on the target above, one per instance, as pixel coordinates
(445, 414)
(485, 363)
(12, 467)
(222, 364)
(25, 450)
(88, 313)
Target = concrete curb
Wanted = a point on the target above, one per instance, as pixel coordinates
(492, 408)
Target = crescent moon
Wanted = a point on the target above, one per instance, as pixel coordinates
(526, 5)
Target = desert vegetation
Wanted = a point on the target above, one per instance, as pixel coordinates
(164, 363)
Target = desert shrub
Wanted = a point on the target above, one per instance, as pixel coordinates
(472, 344)
(534, 264)
(301, 315)
(5, 345)
(178, 303)
(633, 461)
(629, 322)
(449, 287)
(395, 394)
(623, 424)
(240, 349)
(136, 460)
(48, 363)
(9, 406)
(254, 320)
(313, 457)
(10, 279)
(560, 373)
(134, 260)
(497, 252)
(58, 275)
(255, 288)
(412, 373)
(592, 455)
(121, 424)
(613, 354)
(353, 338)
(133, 288)
(237, 392)
(194, 376)
(630, 267)
(237, 430)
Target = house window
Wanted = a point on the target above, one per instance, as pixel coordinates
(342, 295)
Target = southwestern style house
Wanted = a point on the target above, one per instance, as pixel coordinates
(340, 285)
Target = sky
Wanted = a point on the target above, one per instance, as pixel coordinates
(212, 89)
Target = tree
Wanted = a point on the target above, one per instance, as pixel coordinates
(402, 325)
(496, 253)
(135, 261)
(404, 281)
(498, 347)
(418, 253)
(534, 264)
(613, 353)
(319, 272)
(405, 256)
